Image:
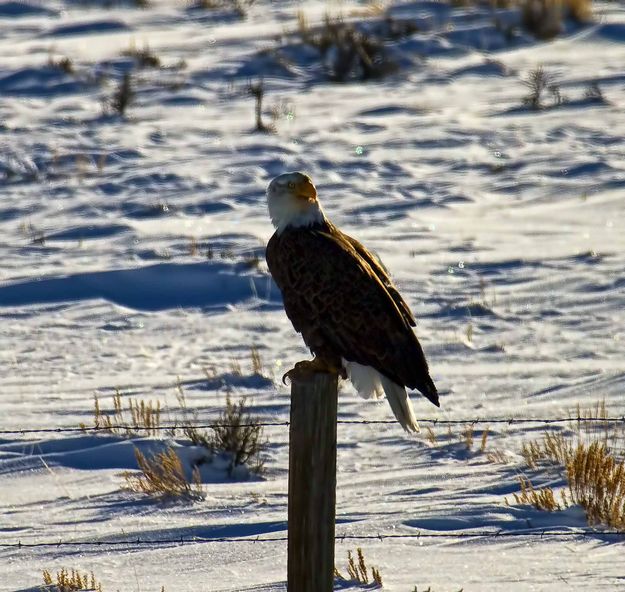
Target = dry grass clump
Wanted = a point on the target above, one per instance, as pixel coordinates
(543, 18)
(591, 461)
(236, 431)
(71, 580)
(347, 52)
(257, 90)
(498, 456)
(594, 93)
(542, 499)
(359, 571)
(257, 366)
(240, 7)
(63, 63)
(257, 362)
(466, 436)
(240, 433)
(592, 425)
(144, 57)
(554, 448)
(139, 418)
(587, 426)
(123, 96)
(540, 84)
(597, 483)
(162, 475)
(429, 589)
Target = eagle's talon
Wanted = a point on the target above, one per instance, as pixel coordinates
(306, 368)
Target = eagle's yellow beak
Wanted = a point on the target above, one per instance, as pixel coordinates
(305, 190)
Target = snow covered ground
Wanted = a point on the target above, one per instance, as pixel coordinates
(129, 251)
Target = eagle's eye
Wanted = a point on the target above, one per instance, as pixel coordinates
(291, 185)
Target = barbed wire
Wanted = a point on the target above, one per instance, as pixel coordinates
(488, 534)
(427, 420)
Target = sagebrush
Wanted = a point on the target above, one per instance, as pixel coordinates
(239, 433)
(162, 475)
(236, 431)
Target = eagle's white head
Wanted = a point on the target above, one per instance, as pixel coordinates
(292, 201)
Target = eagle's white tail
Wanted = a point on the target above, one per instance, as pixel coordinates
(369, 384)
(366, 380)
(400, 404)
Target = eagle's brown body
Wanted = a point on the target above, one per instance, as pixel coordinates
(343, 302)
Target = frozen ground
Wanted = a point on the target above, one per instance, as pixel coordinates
(489, 215)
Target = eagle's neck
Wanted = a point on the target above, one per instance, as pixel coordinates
(312, 216)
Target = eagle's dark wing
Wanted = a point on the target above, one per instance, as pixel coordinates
(330, 289)
(379, 269)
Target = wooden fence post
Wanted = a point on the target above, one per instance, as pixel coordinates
(312, 483)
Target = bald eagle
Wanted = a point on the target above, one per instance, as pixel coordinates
(341, 299)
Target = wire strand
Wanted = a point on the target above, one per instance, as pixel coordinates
(138, 542)
(427, 420)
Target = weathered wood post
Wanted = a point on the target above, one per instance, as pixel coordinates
(312, 483)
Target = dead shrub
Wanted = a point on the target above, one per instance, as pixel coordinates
(162, 475)
(64, 64)
(594, 93)
(144, 58)
(71, 581)
(257, 362)
(139, 418)
(257, 90)
(590, 459)
(236, 432)
(347, 52)
(239, 433)
(579, 10)
(597, 483)
(358, 571)
(467, 435)
(123, 96)
(538, 83)
(498, 456)
(429, 589)
(240, 7)
(544, 18)
(542, 499)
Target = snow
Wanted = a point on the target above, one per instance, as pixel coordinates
(130, 251)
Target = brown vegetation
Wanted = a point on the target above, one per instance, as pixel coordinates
(123, 96)
(544, 18)
(590, 459)
(358, 571)
(144, 57)
(240, 433)
(347, 51)
(71, 581)
(162, 475)
(139, 418)
(236, 431)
